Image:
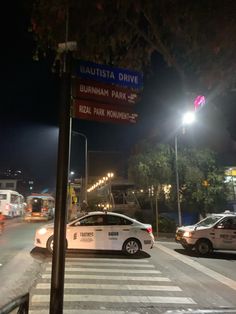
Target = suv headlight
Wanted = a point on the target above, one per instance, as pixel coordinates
(188, 234)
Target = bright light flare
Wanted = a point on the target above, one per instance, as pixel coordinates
(188, 118)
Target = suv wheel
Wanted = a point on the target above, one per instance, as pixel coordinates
(203, 247)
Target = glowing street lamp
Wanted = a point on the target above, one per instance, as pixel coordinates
(188, 118)
(110, 175)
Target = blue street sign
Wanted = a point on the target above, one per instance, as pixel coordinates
(104, 73)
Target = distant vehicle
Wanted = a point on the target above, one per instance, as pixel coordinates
(101, 231)
(39, 207)
(215, 232)
(11, 203)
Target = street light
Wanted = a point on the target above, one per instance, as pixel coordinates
(86, 163)
(187, 119)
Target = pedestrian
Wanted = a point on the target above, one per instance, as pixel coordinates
(2, 223)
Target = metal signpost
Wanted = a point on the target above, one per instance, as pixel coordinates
(109, 111)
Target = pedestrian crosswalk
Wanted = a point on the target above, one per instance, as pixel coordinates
(108, 286)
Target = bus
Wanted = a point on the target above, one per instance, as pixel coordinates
(11, 203)
(39, 207)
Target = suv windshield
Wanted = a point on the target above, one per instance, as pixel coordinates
(209, 221)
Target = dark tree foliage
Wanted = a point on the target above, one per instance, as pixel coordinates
(201, 179)
(197, 38)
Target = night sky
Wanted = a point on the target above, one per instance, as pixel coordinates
(29, 111)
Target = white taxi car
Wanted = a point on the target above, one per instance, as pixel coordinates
(101, 231)
(215, 232)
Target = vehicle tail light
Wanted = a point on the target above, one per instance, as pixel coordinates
(148, 229)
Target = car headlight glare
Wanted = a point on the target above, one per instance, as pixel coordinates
(188, 234)
(42, 231)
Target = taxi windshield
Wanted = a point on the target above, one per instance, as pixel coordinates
(208, 221)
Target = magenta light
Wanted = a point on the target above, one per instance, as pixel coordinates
(199, 102)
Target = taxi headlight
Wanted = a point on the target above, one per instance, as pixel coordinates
(42, 231)
(188, 234)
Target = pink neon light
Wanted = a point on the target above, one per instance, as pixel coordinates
(199, 102)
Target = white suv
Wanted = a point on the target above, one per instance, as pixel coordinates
(215, 232)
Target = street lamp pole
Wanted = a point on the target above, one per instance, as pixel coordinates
(177, 181)
(188, 118)
(86, 163)
(110, 175)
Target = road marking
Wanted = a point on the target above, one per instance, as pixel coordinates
(137, 281)
(207, 271)
(109, 260)
(220, 311)
(83, 312)
(110, 287)
(111, 264)
(95, 277)
(105, 270)
(116, 299)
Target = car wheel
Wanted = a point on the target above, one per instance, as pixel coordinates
(131, 246)
(203, 247)
(50, 244)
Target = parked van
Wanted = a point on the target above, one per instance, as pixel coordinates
(11, 203)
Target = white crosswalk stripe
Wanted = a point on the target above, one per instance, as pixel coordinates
(120, 277)
(136, 265)
(67, 311)
(116, 298)
(102, 270)
(110, 287)
(108, 282)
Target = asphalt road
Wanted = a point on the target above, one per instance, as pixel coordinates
(18, 269)
(190, 283)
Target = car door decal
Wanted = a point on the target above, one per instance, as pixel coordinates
(113, 235)
(86, 236)
(227, 238)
